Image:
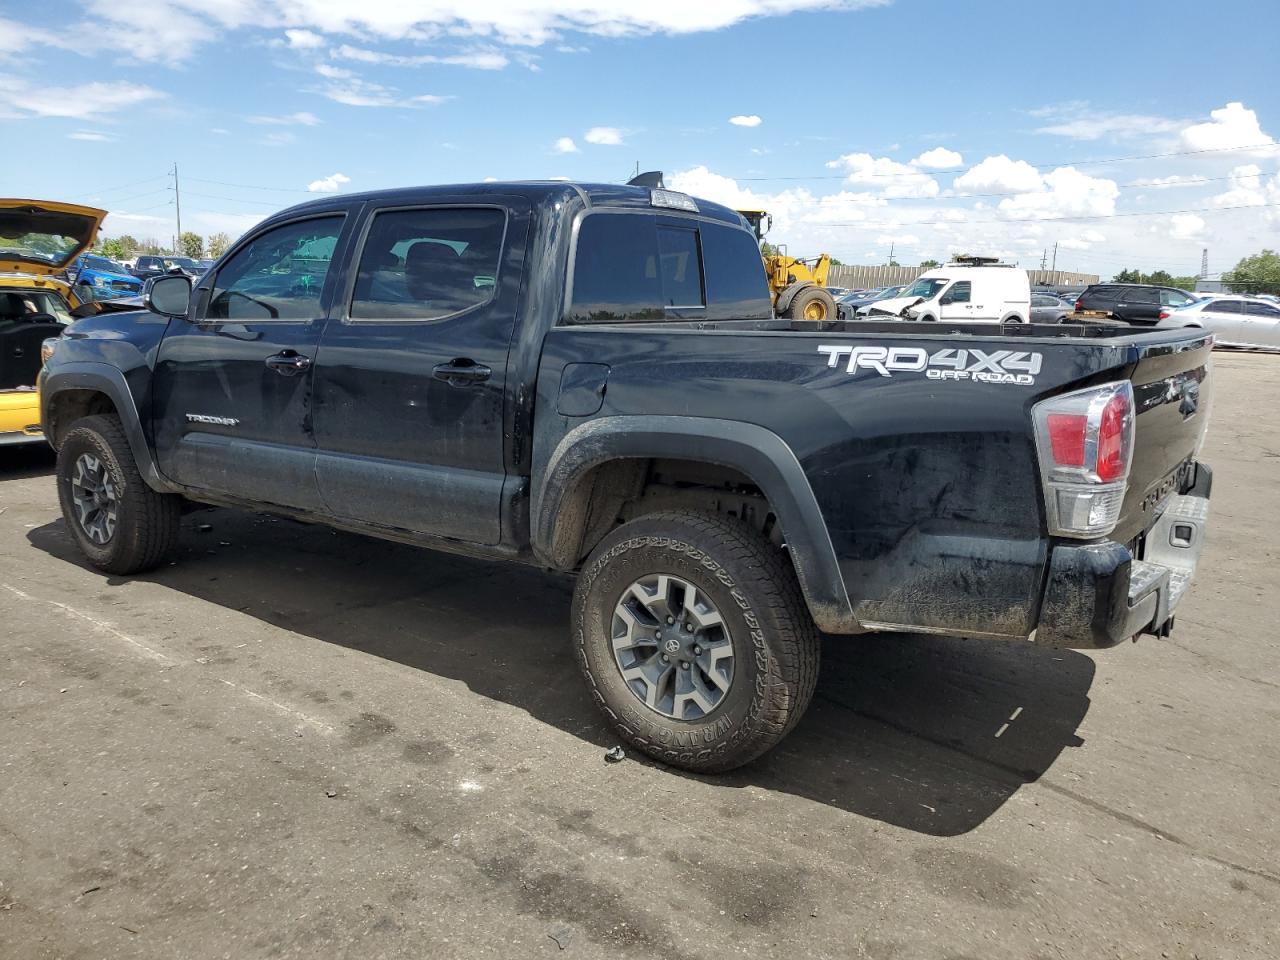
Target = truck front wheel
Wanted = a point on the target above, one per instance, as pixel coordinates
(120, 524)
(812, 303)
(695, 640)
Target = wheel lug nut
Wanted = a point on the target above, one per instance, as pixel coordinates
(684, 665)
(697, 651)
(665, 658)
(671, 620)
(688, 628)
(657, 634)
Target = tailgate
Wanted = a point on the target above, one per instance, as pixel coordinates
(1172, 385)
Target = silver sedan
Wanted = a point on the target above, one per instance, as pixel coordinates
(1049, 309)
(1235, 321)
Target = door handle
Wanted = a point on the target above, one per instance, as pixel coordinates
(461, 372)
(288, 363)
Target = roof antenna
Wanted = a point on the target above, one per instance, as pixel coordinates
(652, 180)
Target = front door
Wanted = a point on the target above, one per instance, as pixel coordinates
(411, 379)
(955, 304)
(232, 386)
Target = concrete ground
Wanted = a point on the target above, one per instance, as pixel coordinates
(298, 743)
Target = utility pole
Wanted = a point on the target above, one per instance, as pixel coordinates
(1055, 258)
(177, 206)
(1204, 263)
(1044, 258)
(891, 253)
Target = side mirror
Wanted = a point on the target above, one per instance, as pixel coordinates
(168, 295)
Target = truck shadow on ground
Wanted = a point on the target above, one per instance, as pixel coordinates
(933, 734)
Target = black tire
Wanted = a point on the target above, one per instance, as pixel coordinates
(145, 533)
(928, 318)
(775, 642)
(809, 302)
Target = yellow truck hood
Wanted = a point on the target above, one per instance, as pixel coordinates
(40, 237)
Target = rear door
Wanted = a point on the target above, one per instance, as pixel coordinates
(1139, 305)
(232, 390)
(1260, 324)
(412, 372)
(1225, 318)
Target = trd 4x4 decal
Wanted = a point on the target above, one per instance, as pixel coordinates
(996, 366)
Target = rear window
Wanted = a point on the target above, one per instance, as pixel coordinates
(636, 267)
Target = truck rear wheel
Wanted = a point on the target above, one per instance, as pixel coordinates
(694, 639)
(120, 524)
(812, 303)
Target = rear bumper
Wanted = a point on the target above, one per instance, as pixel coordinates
(1099, 594)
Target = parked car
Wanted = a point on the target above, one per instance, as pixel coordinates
(847, 307)
(977, 291)
(1048, 309)
(39, 240)
(101, 278)
(560, 374)
(1136, 303)
(157, 266)
(1236, 321)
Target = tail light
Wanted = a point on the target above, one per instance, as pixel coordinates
(1085, 444)
(1077, 307)
(1164, 314)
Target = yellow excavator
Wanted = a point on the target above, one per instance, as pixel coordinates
(798, 287)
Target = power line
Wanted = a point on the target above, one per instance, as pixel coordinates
(249, 186)
(122, 186)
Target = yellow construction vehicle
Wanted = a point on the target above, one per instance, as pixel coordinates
(798, 287)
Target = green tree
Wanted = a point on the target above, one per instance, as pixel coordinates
(929, 264)
(1259, 273)
(114, 248)
(768, 249)
(1128, 276)
(217, 244)
(1161, 277)
(191, 244)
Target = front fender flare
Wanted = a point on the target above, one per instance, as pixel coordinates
(789, 293)
(758, 453)
(108, 380)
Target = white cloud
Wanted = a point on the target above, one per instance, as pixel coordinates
(999, 174)
(1246, 188)
(1233, 127)
(329, 184)
(565, 145)
(1186, 226)
(893, 179)
(20, 38)
(939, 158)
(479, 59)
(303, 39)
(176, 28)
(746, 120)
(88, 100)
(1065, 192)
(93, 136)
(348, 88)
(1078, 121)
(301, 118)
(604, 136)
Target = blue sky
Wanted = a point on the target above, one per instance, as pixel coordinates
(926, 125)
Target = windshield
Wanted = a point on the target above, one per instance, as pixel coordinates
(105, 265)
(43, 236)
(926, 287)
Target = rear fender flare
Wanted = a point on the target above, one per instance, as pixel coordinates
(752, 450)
(105, 379)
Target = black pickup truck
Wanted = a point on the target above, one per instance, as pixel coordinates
(589, 378)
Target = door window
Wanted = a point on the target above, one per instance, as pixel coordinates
(427, 264)
(959, 292)
(1174, 298)
(1223, 306)
(1143, 295)
(1262, 310)
(279, 275)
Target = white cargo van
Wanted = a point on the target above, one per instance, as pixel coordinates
(972, 290)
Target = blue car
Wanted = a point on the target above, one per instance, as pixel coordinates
(100, 278)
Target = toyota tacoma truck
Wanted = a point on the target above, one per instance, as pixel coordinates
(590, 379)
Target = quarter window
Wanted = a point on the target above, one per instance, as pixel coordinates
(1262, 310)
(1223, 306)
(278, 275)
(428, 264)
